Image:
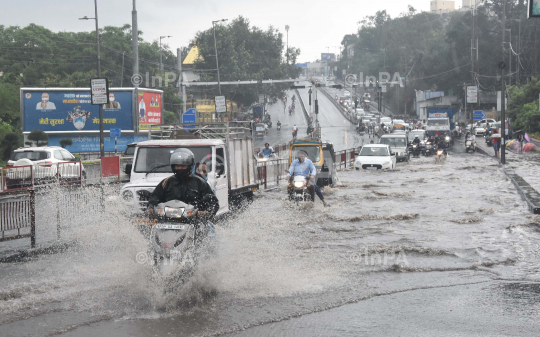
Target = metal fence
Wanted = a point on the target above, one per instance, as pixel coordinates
(18, 211)
(269, 173)
(15, 178)
(345, 158)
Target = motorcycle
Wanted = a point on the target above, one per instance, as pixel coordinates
(430, 149)
(489, 139)
(416, 150)
(294, 134)
(441, 154)
(266, 157)
(176, 236)
(299, 190)
(290, 112)
(279, 127)
(470, 146)
(360, 129)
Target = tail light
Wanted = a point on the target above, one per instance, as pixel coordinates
(46, 164)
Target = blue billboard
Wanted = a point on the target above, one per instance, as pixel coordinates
(91, 143)
(328, 57)
(71, 111)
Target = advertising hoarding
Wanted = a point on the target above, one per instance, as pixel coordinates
(149, 108)
(68, 110)
(328, 57)
(85, 143)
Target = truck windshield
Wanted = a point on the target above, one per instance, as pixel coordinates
(438, 122)
(150, 158)
(313, 152)
(32, 155)
(393, 141)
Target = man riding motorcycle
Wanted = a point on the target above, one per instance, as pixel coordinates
(302, 166)
(267, 151)
(185, 187)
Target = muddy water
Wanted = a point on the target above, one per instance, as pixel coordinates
(424, 225)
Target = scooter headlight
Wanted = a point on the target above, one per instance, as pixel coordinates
(447, 138)
(439, 153)
(299, 184)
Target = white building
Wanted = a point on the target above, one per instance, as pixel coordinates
(442, 6)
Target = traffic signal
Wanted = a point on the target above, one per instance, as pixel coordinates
(316, 106)
(356, 103)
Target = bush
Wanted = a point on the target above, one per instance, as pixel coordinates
(39, 136)
(65, 142)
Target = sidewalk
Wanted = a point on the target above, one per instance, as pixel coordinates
(522, 169)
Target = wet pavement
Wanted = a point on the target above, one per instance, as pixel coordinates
(430, 249)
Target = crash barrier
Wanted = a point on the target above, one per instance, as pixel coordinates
(345, 158)
(16, 178)
(304, 110)
(344, 112)
(18, 211)
(270, 172)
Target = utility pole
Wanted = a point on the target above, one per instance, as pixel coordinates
(287, 51)
(101, 137)
(135, 42)
(215, 49)
(181, 80)
(161, 52)
(503, 91)
(122, 78)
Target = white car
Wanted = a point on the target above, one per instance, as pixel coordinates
(375, 157)
(47, 163)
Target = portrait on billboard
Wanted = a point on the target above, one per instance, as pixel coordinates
(142, 110)
(45, 104)
(113, 104)
(78, 117)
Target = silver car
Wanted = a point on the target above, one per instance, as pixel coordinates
(398, 143)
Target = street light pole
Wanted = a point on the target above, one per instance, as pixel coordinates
(101, 136)
(287, 51)
(160, 52)
(503, 92)
(215, 49)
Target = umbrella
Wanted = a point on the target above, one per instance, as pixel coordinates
(511, 142)
(514, 146)
(527, 138)
(528, 147)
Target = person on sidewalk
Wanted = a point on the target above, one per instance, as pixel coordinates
(496, 143)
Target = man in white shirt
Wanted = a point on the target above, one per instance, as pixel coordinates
(45, 104)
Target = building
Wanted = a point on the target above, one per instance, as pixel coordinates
(442, 6)
(469, 4)
(433, 99)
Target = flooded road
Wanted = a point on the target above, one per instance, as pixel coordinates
(428, 249)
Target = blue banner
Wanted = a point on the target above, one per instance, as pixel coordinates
(91, 143)
(71, 111)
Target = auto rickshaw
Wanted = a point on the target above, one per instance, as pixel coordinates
(260, 130)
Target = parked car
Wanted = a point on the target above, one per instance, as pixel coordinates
(48, 163)
(375, 157)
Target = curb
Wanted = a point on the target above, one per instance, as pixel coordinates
(302, 104)
(30, 253)
(526, 191)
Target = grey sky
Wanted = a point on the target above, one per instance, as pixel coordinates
(315, 24)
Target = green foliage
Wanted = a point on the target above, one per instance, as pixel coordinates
(246, 53)
(65, 142)
(523, 106)
(39, 137)
(9, 143)
(170, 117)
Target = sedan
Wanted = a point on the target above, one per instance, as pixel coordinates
(375, 157)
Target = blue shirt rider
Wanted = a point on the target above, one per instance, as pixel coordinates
(303, 166)
(267, 151)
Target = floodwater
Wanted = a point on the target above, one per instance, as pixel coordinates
(443, 249)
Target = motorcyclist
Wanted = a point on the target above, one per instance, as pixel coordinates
(184, 186)
(278, 124)
(293, 106)
(302, 166)
(416, 140)
(267, 151)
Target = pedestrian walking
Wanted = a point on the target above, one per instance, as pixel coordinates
(496, 143)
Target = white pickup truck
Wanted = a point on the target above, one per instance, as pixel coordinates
(227, 148)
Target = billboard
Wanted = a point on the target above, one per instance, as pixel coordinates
(149, 108)
(85, 143)
(69, 110)
(328, 57)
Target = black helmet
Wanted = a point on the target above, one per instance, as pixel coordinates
(182, 157)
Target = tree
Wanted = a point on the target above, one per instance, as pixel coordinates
(246, 53)
(523, 106)
(38, 136)
(65, 142)
(170, 117)
(9, 143)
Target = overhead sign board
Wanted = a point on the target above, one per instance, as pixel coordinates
(99, 87)
(534, 9)
(478, 115)
(472, 94)
(221, 104)
(189, 116)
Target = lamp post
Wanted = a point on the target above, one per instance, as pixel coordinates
(215, 49)
(160, 52)
(287, 51)
(101, 137)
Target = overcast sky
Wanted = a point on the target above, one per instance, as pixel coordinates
(314, 24)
